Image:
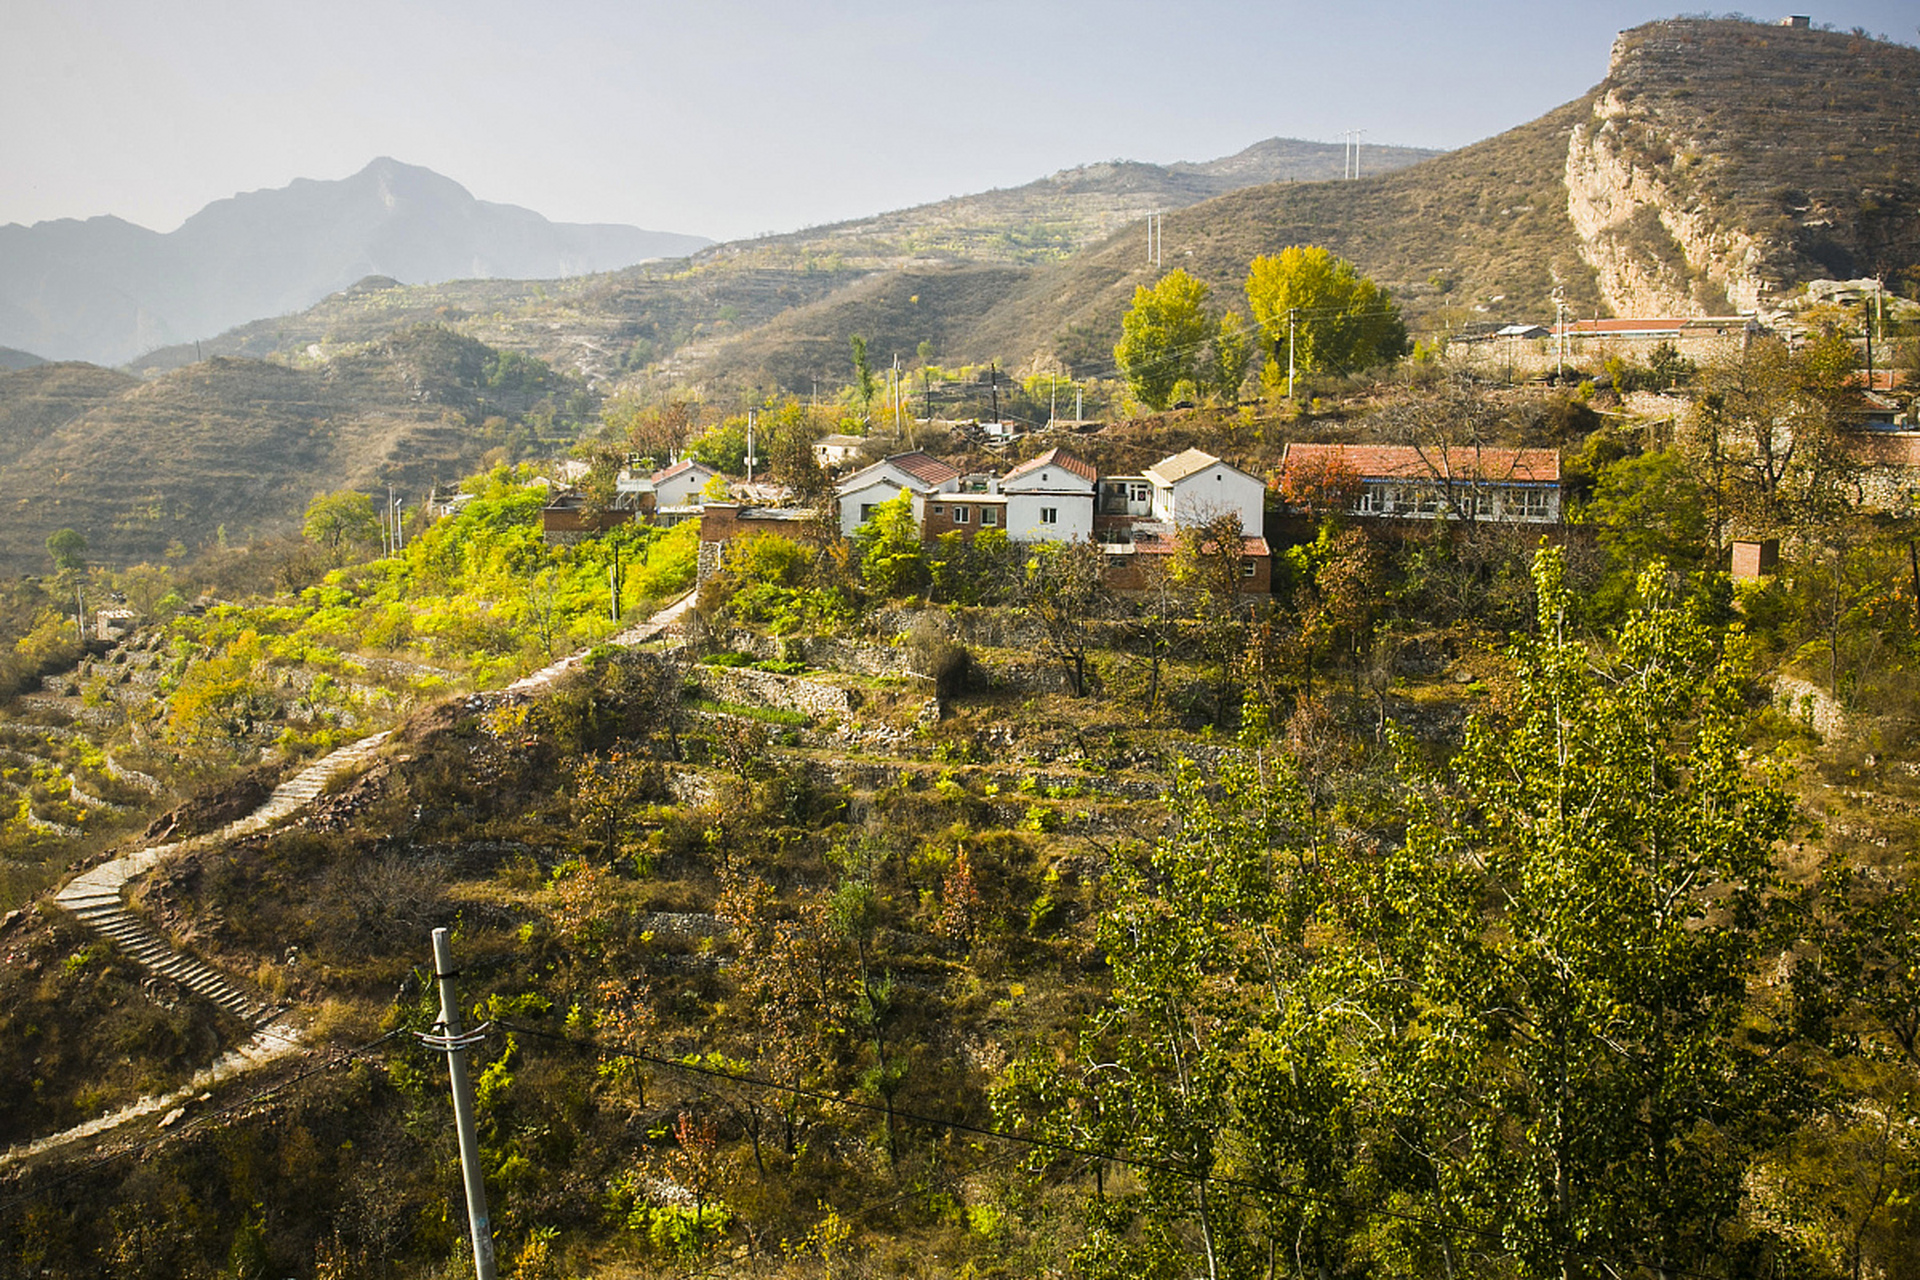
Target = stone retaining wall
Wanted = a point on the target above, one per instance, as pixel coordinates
(766, 689)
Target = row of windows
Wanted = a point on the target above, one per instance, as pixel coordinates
(1513, 502)
(990, 516)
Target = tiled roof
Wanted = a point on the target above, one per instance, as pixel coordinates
(924, 467)
(1057, 458)
(1181, 465)
(685, 464)
(918, 464)
(1429, 462)
(1652, 325)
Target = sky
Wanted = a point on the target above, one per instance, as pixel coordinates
(727, 118)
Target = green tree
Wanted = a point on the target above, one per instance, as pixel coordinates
(1231, 355)
(68, 547)
(862, 374)
(1163, 337)
(1340, 320)
(893, 561)
(340, 522)
(1516, 1040)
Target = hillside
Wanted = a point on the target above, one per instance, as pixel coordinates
(237, 444)
(1721, 163)
(105, 290)
(12, 358)
(1054, 216)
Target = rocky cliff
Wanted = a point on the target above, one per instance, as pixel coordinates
(1724, 164)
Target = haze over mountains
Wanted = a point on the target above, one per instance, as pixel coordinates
(105, 290)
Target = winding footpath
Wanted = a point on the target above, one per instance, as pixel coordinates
(97, 899)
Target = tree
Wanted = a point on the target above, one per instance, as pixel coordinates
(341, 521)
(893, 561)
(862, 374)
(1766, 433)
(68, 547)
(1062, 592)
(1514, 1039)
(1163, 337)
(1232, 355)
(1340, 320)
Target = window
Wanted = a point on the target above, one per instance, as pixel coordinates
(988, 516)
(960, 515)
(866, 512)
(1247, 567)
(1372, 501)
(1049, 515)
(1138, 494)
(1531, 504)
(939, 510)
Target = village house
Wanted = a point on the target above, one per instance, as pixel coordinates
(917, 472)
(836, 451)
(1432, 482)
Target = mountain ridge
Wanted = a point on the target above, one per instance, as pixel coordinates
(106, 290)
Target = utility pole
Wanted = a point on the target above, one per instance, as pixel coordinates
(1291, 312)
(926, 386)
(898, 427)
(752, 416)
(1154, 229)
(613, 582)
(994, 375)
(455, 1045)
(1559, 335)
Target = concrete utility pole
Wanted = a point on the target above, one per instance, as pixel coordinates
(1291, 312)
(1559, 335)
(455, 1045)
(751, 418)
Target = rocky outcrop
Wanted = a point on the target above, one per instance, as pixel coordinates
(1724, 164)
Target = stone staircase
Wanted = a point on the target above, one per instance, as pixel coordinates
(97, 897)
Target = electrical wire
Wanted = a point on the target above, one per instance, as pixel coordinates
(213, 1113)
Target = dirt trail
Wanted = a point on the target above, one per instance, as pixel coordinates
(96, 897)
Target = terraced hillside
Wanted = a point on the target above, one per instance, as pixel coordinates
(244, 444)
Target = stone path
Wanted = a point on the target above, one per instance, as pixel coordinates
(96, 898)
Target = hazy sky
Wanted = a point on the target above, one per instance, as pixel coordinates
(730, 117)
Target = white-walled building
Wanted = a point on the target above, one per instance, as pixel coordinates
(1195, 487)
(1050, 498)
(917, 472)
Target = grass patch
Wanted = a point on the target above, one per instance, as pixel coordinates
(767, 715)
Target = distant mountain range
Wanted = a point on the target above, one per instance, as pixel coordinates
(106, 290)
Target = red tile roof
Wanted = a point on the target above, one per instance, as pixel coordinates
(1428, 462)
(924, 467)
(685, 464)
(1057, 458)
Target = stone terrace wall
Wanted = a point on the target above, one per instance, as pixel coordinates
(766, 689)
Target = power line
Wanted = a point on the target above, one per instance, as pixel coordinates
(215, 1113)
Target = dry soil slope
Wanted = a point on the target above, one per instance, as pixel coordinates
(243, 444)
(37, 401)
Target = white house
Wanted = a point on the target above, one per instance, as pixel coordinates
(917, 472)
(1050, 498)
(837, 450)
(1195, 487)
(679, 485)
